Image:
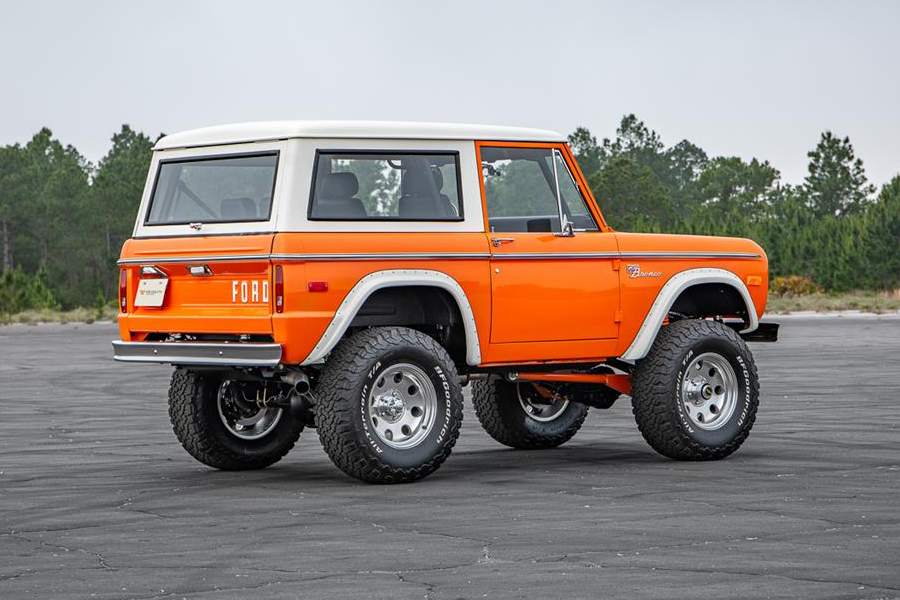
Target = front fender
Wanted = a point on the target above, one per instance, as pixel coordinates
(673, 288)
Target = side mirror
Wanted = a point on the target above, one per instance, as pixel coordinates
(567, 230)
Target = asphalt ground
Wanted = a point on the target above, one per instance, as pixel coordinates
(98, 500)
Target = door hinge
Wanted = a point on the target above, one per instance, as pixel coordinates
(617, 316)
(616, 264)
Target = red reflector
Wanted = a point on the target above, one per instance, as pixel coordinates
(279, 289)
(318, 286)
(123, 290)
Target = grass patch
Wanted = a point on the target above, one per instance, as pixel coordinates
(76, 315)
(866, 301)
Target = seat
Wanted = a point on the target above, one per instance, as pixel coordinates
(422, 197)
(235, 209)
(337, 199)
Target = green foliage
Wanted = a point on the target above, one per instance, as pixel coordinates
(827, 230)
(20, 291)
(63, 220)
(836, 183)
(795, 285)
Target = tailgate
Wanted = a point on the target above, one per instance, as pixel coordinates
(214, 285)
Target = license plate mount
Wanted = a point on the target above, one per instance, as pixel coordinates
(151, 292)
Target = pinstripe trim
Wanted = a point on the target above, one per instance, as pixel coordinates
(384, 256)
(436, 256)
(553, 255)
(750, 255)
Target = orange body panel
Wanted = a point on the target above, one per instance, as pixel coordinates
(549, 308)
(638, 294)
(307, 314)
(201, 304)
(527, 309)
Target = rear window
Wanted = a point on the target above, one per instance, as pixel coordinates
(393, 186)
(218, 189)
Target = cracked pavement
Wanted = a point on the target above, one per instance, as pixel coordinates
(98, 500)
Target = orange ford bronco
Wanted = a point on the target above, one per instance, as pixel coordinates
(353, 277)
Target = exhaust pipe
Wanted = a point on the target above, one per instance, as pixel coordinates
(301, 386)
(301, 403)
(298, 380)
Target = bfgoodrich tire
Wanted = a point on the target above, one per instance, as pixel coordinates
(696, 393)
(389, 405)
(512, 414)
(212, 430)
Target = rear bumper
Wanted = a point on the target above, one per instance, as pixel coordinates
(190, 353)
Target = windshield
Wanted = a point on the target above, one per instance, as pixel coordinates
(213, 190)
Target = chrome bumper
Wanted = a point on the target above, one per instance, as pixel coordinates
(191, 353)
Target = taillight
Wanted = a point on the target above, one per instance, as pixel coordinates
(123, 290)
(279, 289)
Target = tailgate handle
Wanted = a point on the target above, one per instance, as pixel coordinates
(200, 270)
(152, 271)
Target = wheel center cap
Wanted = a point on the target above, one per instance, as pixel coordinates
(390, 406)
(698, 390)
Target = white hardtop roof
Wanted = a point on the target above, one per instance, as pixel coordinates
(277, 130)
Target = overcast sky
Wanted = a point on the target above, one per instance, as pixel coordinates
(755, 78)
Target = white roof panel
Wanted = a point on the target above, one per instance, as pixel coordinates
(276, 130)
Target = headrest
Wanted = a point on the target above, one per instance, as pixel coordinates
(340, 185)
(415, 182)
(237, 208)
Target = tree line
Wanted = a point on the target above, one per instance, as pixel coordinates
(63, 219)
(836, 229)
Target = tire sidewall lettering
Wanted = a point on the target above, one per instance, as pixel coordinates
(679, 381)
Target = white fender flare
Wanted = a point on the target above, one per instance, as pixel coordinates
(372, 282)
(679, 282)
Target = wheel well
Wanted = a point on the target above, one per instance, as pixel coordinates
(710, 299)
(428, 309)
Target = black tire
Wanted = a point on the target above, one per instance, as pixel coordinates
(194, 412)
(657, 402)
(343, 414)
(502, 415)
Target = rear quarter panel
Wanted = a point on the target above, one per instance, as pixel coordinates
(342, 259)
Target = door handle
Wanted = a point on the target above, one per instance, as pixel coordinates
(498, 241)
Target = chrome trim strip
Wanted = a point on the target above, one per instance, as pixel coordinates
(435, 256)
(383, 256)
(191, 353)
(689, 255)
(553, 255)
(162, 260)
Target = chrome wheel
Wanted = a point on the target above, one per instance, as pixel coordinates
(709, 391)
(537, 407)
(402, 406)
(243, 414)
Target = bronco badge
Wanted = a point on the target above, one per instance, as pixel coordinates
(634, 271)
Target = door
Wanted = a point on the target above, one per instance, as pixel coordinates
(552, 266)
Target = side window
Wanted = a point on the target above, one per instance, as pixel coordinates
(519, 189)
(405, 186)
(573, 203)
(531, 190)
